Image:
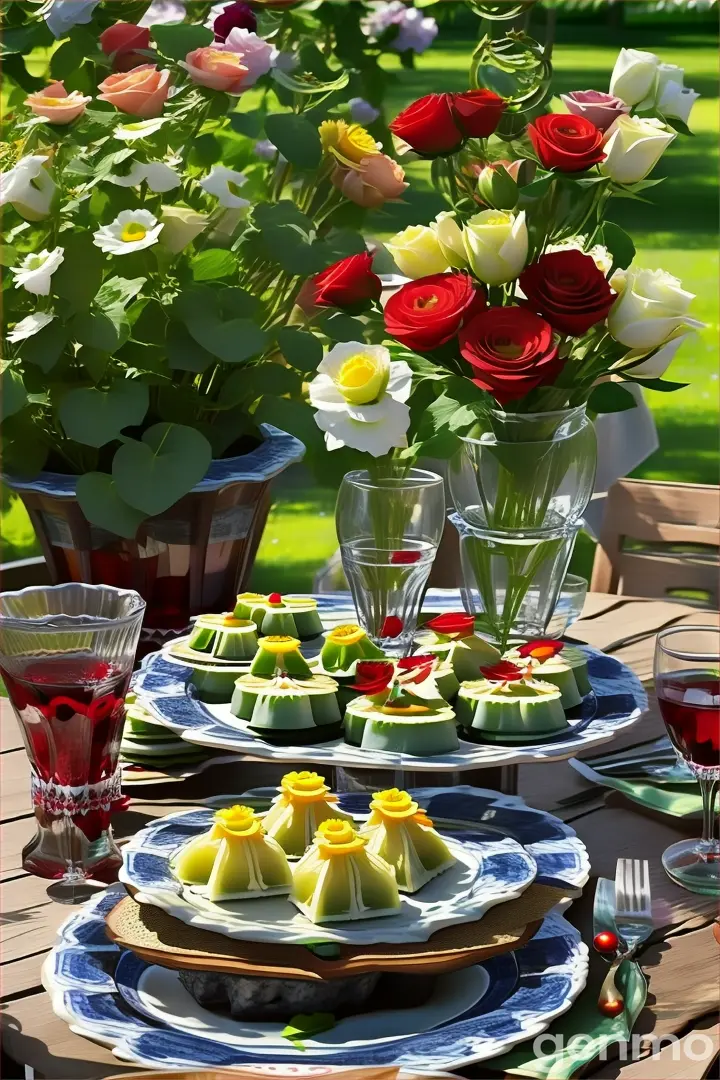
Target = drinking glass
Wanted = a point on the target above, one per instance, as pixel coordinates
(569, 605)
(687, 682)
(389, 528)
(66, 656)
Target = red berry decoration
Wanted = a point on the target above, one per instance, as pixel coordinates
(274, 598)
(391, 627)
(613, 1007)
(606, 942)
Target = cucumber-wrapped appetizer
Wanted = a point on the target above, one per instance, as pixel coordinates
(452, 639)
(279, 654)
(296, 616)
(508, 706)
(235, 860)
(344, 646)
(402, 834)
(304, 802)
(223, 637)
(553, 661)
(338, 879)
(287, 711)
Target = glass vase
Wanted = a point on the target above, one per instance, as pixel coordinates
(66, 656)
(389, 527)
(519, 490)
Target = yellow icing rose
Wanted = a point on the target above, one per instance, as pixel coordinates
(349, 634)
(336, 837)
(238, 821)
(305, 787)
(279, 644)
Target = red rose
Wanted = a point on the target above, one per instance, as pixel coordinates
(428, 126)
(122, 39)
(477, 112)
(235, 16)
(503, 671)
(416, 668)
(373, 676)
(429, 311)
(566, 142)
(452, 623)
(349, 283)
(511, 351)
(568, 290)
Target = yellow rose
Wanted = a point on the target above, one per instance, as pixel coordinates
(496, 243)
(349, 143)
(417, 252)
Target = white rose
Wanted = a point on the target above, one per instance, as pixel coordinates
(677, 101)
(633, 147)
(417, 252)
(450, 238)
(160, 177)
(36, 269)
(496, 244)
(650, 309)
(656, 365)
(634, 75)
(29, 187)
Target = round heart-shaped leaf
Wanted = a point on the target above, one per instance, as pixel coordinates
(153, 474)
(102, 506)
(96, 417)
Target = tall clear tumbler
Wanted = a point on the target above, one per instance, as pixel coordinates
(66, 656)
(389, 528)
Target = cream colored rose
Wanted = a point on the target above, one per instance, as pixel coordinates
(182, 225)
(634, 75)
(650, 309)
(633, 147)
(657, 364)
(496, 244)
(450, 238)
(417, 252)
(672, 97)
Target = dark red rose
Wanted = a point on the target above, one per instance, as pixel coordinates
(541, 649)
(123, 39)
(477, 112)
(372, 676)
(452, 624)
(566, 142)
(429, 311)
(235, 16)
(349, 283)
(392, 626)
(568, 290)
(417, 668)
(503, 671)
(429, 126)
(511, 351)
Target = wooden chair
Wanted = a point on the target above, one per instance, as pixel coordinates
(660, 539)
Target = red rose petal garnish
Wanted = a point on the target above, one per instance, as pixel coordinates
(542, 649)
(372, 676)
(452, 622)
(103, 706)
(420, 666)
(503, 671)
(392, 627)
(403, 558)
(274, 598)
(53, 707)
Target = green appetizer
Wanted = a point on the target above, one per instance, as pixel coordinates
(555, 662)
(235, 860)
(338, 879)
(505, 706)
(214, 681)
(344, 646)
(279, 654)
(296, 616)
(223, 637)
(452, 639)
(402, 834)
(303, 803)
(288, 711)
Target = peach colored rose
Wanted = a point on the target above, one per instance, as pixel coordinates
(217, 69)
(372, 181)
(140, 92)
(56, 105)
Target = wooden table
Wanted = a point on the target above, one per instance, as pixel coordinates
(682, 965)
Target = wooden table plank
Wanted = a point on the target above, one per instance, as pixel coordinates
(15, 834)
(10, 737)
(14, 785)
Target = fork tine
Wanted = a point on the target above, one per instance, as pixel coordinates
(620, 886)
(638, 885)
(647, 902)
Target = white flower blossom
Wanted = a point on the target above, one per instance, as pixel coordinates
(36, 269)
(163, 12)
(159, 176)
(132, 230)
(140, 129)
(30, 325)
(416, 31)
(224, 184)
(29, 187)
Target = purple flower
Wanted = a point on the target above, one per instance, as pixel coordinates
(600, 109)
(238, 16)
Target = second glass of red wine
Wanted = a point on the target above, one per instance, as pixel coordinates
(66, 656)
(687, 681)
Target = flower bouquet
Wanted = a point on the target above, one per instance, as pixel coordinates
(522, 314)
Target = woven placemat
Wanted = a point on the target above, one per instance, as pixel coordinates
(159, 938)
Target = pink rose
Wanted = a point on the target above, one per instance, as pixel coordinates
(216, 69)
(599, 108)
(140, 92)
(372, 181)
(56, 105)
(254, 52)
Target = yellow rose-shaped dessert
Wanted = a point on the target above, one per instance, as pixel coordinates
(248, 862)
(417, 251)
(402, 834)
(348, 143)
(338, 879)
(304, 803)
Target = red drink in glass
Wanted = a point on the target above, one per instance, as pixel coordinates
(690, 706)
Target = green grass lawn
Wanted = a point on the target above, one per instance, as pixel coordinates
(677, 232)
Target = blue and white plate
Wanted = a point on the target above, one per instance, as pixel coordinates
(490, 869)
(107, 995)
(163, 685)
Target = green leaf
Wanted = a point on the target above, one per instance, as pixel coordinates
(611, 397)
(153, 474)
(206, 150)
(448, 413)
(96, 329)
(178, 39)
(679, 125)
(302, 350)
(663, 386)
(96, 417)
(307, 1025)
(247, 123)
(296, 417)
(183, 351)
(95, 361)
(117, 292)
(537, 188)
(340, 327)
(45, 347)
(78, 288)
(618, 243)
(249, 384)
(12, 393)
(212, 264)
(65, 60)
(295, 138)
(236, 303)
(233, 341)
(102, 506)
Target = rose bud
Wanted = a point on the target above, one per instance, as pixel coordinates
(429, 127)
(477, 112)
(121, 41)
(235, 16)
(349, 284)
(141, 92)
(497, 188)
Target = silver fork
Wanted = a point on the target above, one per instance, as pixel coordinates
(633, 918)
